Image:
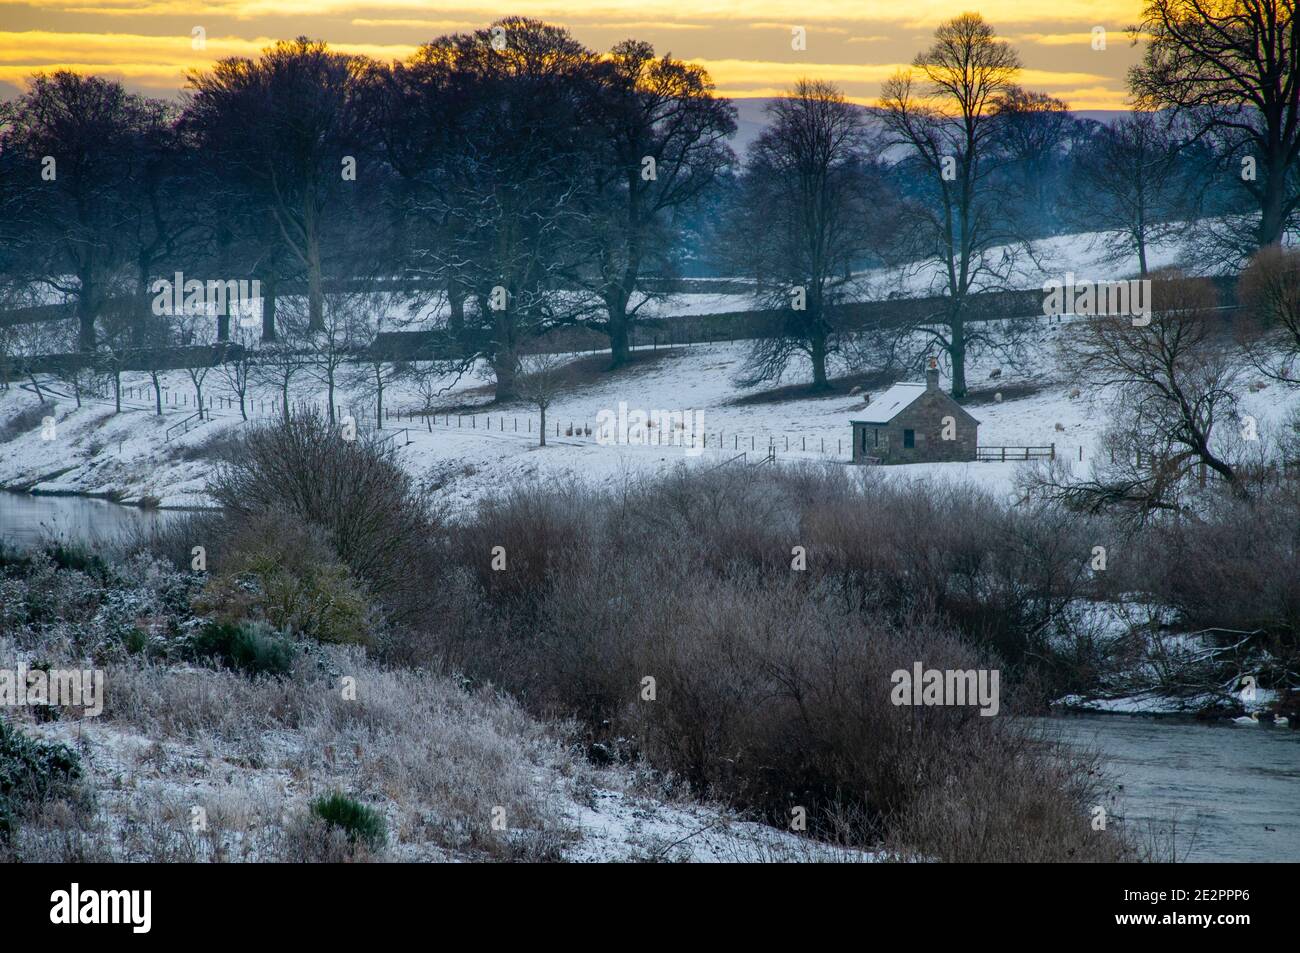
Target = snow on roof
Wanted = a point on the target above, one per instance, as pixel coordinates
(890, 404)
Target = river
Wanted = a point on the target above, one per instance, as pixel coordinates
(1232, 792)
(26, 520)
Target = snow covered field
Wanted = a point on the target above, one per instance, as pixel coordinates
(92, 450)
(129, 456)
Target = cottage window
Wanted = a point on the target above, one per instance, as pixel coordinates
(909, 438)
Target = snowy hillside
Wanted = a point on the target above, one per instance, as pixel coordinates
(469, 454)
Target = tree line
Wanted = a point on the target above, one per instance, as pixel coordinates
(511, 181)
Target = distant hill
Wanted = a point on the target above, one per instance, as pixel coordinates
(751, 119)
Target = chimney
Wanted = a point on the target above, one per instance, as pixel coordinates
(932, 375)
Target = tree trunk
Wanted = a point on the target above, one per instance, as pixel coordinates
(223, 257)
(957, 353)
(619, 331)
(456, 301)
(505, 359)
(315, 292)
(505, 366)
(542, 408)
(1271, 218)
(817, 352)
(86, 315)
(268, 306)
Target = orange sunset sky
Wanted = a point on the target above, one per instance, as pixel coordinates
(744, 43)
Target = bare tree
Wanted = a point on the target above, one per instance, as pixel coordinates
(661, 145)
(944, 111)
(79, 137)
(282, 125)
(26, 344)
(1232, 67)
(1269, 291)
(542, 378)
(1129, 179)
(809, 210)
(280, 363)
(376, 370)
(1035, 129)
(157, 335)
(336, 342)
(509, 183)
(1171, 389)
(238, 362)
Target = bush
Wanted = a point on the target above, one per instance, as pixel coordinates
(352, 490)
(247, 648)
(772, 685)
(31, 772)
(282, 572)
(361, 823)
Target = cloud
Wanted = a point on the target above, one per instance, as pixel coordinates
(790, 12)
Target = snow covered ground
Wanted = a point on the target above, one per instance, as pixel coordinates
(92, 450)
(600, 817)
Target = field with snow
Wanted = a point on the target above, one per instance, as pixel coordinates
(485, 447)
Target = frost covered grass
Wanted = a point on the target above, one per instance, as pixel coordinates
(192, 760)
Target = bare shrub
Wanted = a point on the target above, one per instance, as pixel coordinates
(359, 497)
(772, 685)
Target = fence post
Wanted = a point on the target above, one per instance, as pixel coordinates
(1053, 450)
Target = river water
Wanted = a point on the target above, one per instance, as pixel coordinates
(1230, 793)
(27, 520)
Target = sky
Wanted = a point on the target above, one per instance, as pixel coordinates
(745, 44)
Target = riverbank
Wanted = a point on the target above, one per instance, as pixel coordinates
(199, 757)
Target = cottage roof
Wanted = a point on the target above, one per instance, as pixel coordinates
(885, 407)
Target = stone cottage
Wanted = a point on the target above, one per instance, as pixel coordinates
(915, 423)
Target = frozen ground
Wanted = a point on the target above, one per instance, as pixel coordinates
(600, 817)
(91, 450)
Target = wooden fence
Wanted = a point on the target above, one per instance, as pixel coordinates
(1003, 454)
